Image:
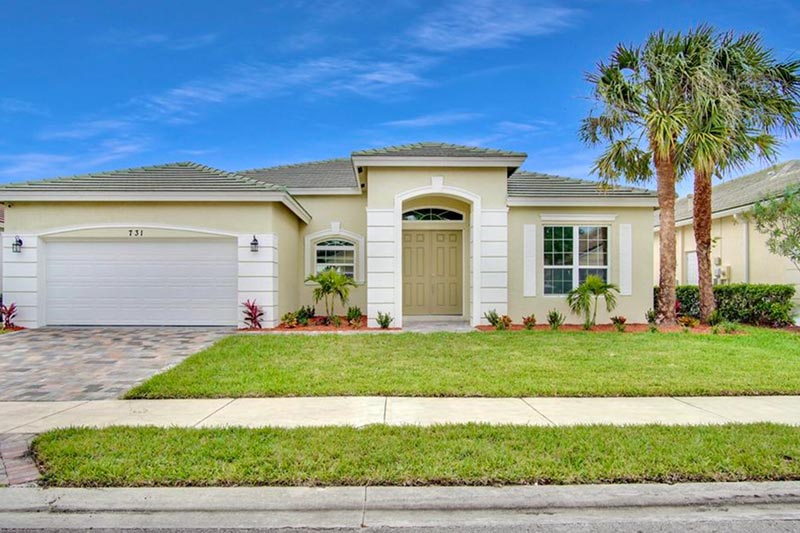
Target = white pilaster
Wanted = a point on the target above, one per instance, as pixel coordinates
(258, 276)
(493, 232)
(21, 283)
(382, 266)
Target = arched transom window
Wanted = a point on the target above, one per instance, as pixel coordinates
(432, 213)
(339, 254)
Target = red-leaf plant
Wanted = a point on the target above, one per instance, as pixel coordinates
(252, 314)
(8, 313)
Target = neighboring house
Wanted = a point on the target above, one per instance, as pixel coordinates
(739, 253)
(2, 225)
(424, 229)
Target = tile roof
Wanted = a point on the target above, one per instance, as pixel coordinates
(537, 185)
(329, 174)
(171, 177)
(745, 190)
(436, 149)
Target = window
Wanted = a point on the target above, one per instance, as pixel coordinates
(338, 254)
(432, 213)
(571, 253)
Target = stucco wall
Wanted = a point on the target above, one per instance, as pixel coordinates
(350, 213)
(287, 227)
(383, 183)
(633, 307)
(730, 238)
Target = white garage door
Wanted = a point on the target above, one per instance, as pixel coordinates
(189, 282)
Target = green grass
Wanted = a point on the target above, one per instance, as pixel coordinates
(439, 455)
(515, 364)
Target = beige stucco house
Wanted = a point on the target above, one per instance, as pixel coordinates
(739, 252)
(427, 229)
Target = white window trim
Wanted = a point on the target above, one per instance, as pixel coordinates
(335, 232)
(576, 255)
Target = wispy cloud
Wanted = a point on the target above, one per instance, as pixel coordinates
(138, 39)
(86, 129)
(327, 76)
(434, 119)
(16, 106)
(32, 165)
(471, 24)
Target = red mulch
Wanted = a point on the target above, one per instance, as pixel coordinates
(316, 324)
(15, 328)
(629, 328)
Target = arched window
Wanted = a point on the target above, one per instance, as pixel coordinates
(432, 213)
(339, 254)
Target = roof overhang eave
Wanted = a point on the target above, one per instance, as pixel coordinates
(183, 196)
(517, 201)
(420, 161)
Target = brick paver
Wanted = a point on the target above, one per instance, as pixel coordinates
(95, 363)
(16, 463)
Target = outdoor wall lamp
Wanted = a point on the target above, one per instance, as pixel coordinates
(16, 246)
(254, 244)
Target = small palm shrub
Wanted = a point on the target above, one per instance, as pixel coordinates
(583, 299)
(529, 322)
(354, 315)
(651, 317)
(331, 285)
(715, 318)
(555, 319)
(619, 322)
(252, 314)
(384, 320)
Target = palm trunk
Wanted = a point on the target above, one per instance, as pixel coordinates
(665, 177)
(702, 237)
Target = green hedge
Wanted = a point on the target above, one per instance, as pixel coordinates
(761, 305)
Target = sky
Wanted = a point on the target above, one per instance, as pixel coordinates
(91, 85)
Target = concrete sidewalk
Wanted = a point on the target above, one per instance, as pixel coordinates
(363, 507)
(36, 417)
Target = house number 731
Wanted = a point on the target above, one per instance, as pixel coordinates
(135, 233)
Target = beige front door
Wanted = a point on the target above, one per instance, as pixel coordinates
(432, 275)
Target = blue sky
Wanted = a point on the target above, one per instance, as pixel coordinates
(103, 85)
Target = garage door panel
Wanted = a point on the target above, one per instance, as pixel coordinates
(168, 282)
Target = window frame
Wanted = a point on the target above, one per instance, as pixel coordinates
(347, 245)
(575, 267)
(335, 232)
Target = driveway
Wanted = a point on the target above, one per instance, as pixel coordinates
(92, 363)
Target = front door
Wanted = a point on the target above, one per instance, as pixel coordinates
(432, 275)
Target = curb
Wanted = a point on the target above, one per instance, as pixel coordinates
(306, 499)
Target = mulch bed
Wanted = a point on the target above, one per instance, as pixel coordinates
(317, 324)
(629, 328)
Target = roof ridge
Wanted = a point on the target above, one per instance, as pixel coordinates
(441, 144)
(291, 165)
(597, 184)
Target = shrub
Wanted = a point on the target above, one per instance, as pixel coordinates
(746, 303)
(619, 322)
(504, 323)
(384, 320)
(7, 314)
(492, 317)
(652, 328)
(688, 321)
(354, 315)
(307, 311)
(529, 321)
(252, 314)
(290, 320)
(730, 327)
(651, 316)
(555, 319)
(715, 318)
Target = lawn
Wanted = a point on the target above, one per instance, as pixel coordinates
(513, 364)
(439, 455)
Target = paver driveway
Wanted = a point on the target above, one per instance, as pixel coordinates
(92, 363)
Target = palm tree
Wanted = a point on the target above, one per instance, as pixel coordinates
(331, 285)
(739, 97)
(642, 119)
(583, 299)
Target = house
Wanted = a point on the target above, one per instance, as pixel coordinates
(426, 229)
(2, 225)
(739, 252)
